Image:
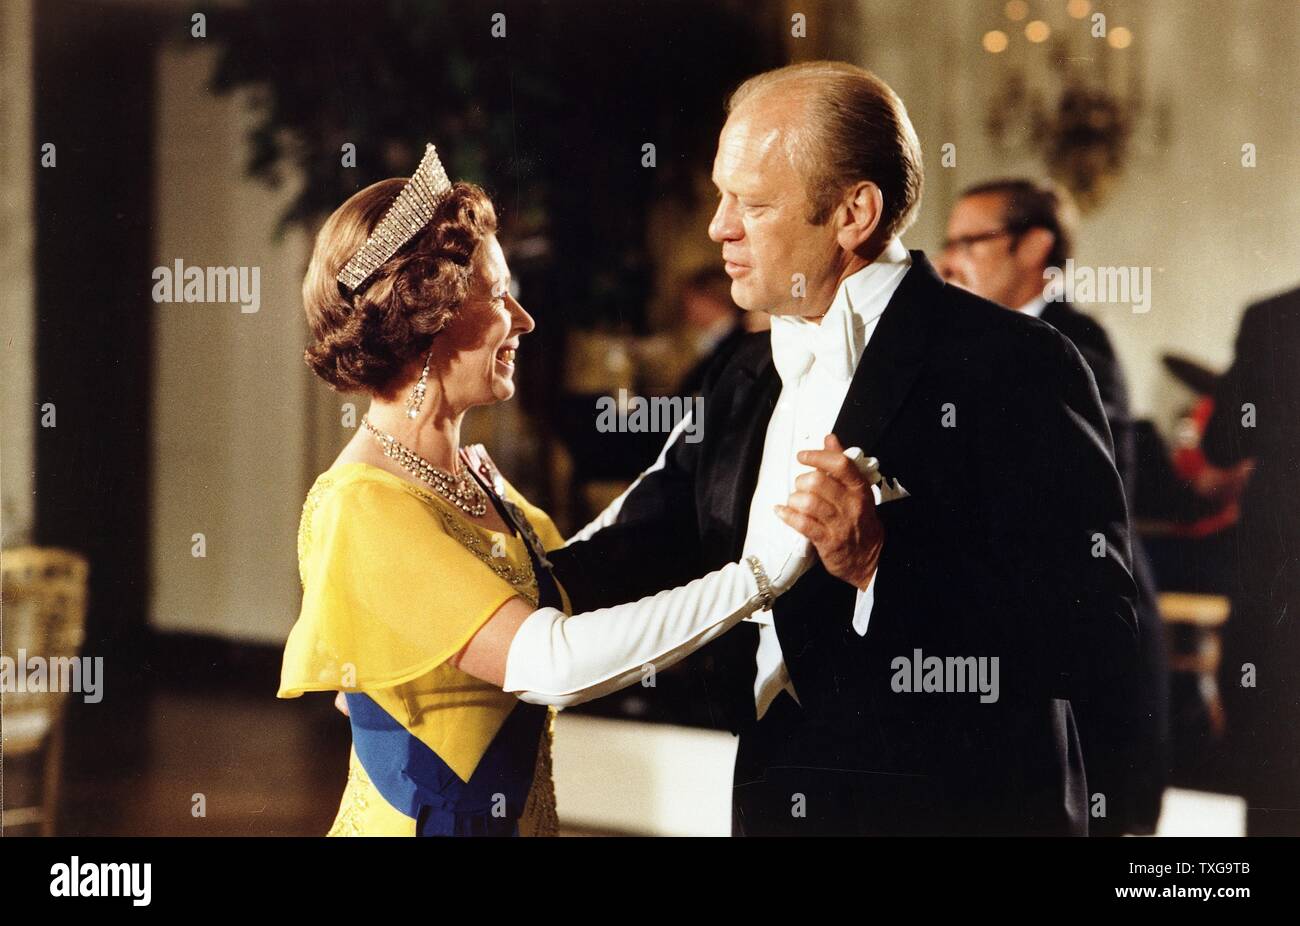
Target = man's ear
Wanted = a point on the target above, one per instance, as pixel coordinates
(1035, 244)
(859, 215)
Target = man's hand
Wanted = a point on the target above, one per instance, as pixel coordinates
(341, 703)
(834, 508)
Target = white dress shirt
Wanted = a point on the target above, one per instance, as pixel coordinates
(816, 362)
(1034, 306)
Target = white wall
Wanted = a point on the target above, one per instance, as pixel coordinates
(18, 166)
(232, 408)
(1215, 234)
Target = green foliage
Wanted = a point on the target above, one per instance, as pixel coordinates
(550, 119)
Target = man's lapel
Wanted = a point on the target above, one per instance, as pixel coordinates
(737, 459)
(892, 360)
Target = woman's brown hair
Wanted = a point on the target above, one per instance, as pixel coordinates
(367, 340)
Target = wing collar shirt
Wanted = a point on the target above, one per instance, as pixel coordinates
(1034, 306)
(816, 362)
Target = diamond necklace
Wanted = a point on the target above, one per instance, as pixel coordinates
(462, 491)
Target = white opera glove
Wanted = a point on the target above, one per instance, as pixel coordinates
(561, 659)
(774, 533)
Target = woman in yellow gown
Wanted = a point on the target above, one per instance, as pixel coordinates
(428, 600)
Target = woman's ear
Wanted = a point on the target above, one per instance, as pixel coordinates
(859, 215)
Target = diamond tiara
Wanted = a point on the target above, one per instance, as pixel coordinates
(406, 217)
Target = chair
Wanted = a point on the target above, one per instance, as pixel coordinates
(43, 615)
(1204, 617)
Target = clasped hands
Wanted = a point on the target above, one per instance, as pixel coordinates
(833, 506)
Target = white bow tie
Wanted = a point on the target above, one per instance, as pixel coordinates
(837, 343)
(797, 344)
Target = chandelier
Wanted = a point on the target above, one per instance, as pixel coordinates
(1070, 92)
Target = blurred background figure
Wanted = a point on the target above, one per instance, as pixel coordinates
(669, 363)
(1255, 418)
(1220, 486)
(1186, 510)
(713, 323)
(1185, 505)
(1002, 236)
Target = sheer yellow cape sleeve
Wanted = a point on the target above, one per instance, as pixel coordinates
(388, 594)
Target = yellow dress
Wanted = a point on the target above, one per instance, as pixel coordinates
(395, 582)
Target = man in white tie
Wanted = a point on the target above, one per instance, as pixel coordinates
(919, 678)
(815, 359)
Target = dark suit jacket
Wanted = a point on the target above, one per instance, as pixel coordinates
(692, 382)
(1013, 544)
(1125, 747)
(1256, 415)
(1266, 375)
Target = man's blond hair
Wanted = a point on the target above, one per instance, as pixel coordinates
(856, 129)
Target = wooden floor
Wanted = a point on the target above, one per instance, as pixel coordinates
(266, 767)
(262, 767)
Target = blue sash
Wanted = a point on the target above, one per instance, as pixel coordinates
(416, 781)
